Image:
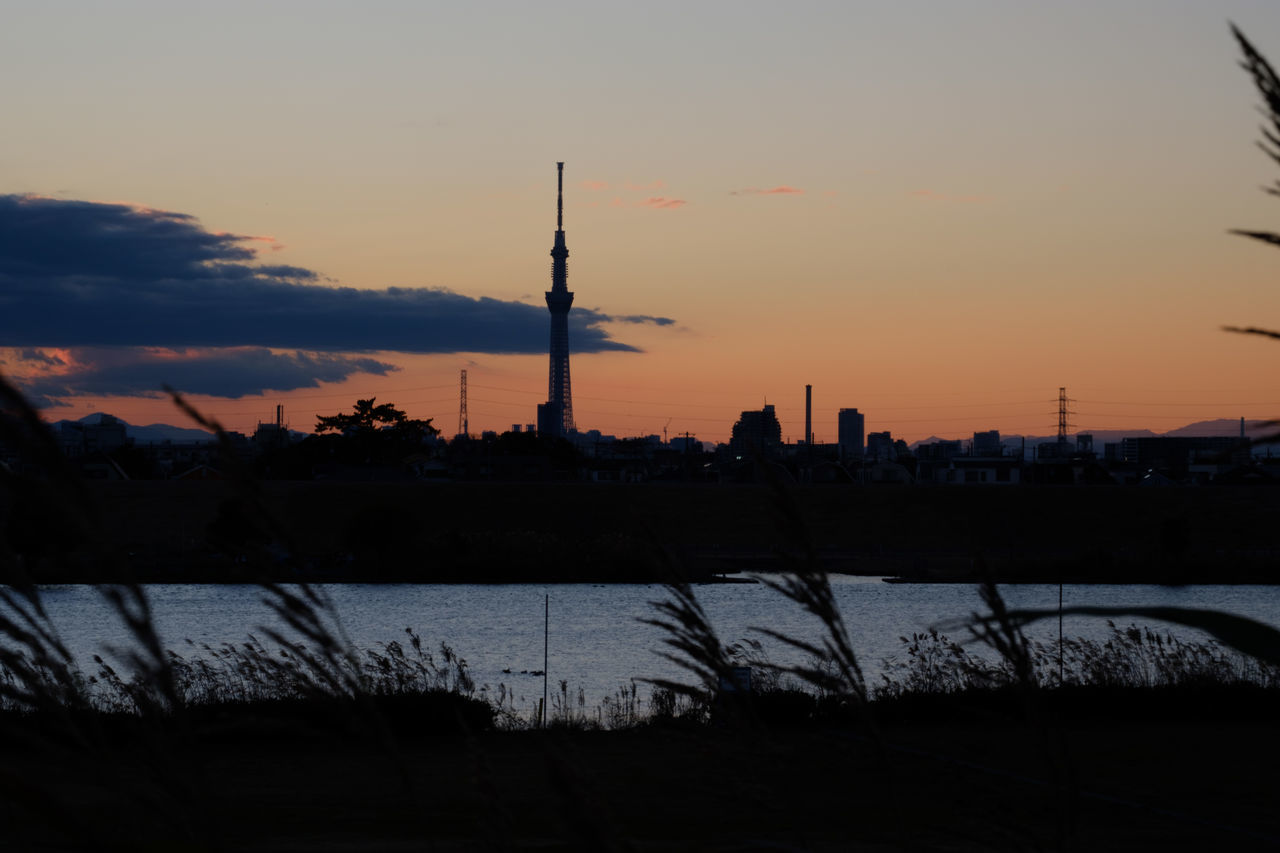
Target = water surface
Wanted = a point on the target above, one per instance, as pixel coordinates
(596, 639)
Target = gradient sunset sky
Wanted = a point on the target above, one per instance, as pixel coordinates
(937, 212)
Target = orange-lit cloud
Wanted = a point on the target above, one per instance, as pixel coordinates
(272, 243)
(662, 203)
(783, 189)
(594, 186)
(229, 372)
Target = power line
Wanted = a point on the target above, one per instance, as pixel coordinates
(1136, 403)
(1147, 417)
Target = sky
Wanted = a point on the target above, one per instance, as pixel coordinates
(936, 212)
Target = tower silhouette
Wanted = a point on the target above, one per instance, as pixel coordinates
(1063, 424)
(555, 417)
(464, 426)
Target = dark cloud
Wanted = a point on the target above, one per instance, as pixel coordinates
(643, 318)
(234, 372)
(86, 274)
(42, 358)
(45, 238)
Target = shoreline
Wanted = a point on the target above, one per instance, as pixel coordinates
(330, 532)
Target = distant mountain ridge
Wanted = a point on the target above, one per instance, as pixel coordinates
(149, 434)
(1216, 427)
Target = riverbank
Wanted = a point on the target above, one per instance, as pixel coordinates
(571, 532)
(968, 778)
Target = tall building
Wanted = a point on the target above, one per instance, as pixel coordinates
(756, 433)
(850, 428)
(555, 417)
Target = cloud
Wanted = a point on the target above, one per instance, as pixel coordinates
(82, 274)
(643, 318)
(228, 372)
(42, 358)
(778, 190)
(121, 299)
(594, 186)
(662, 203)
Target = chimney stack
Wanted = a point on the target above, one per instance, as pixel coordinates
(808, 414)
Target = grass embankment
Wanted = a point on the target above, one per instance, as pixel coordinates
(1154, 743)
(481, 532)
(969, 781)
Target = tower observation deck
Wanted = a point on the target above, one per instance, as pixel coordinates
(555, 417)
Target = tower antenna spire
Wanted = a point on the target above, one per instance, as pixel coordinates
(555, 417)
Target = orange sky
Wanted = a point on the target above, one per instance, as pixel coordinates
(980, 206)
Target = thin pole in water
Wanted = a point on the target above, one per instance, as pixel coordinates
(1059, 632)
(546, 642)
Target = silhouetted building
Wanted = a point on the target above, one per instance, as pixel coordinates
(756, 432)
(686, 444)
(1175, 454)
(988, 468)
(987, 443)
(271, 436)
(880, 447)
(555, 417)
(85, 439)
(850, 428)
(942, 449)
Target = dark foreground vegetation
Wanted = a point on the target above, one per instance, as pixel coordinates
(953, 786)
(1147, 742)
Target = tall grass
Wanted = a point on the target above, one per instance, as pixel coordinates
(1130, 657)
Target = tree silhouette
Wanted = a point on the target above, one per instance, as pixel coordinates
(368, 417)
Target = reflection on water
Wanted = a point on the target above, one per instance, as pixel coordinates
(596, 639)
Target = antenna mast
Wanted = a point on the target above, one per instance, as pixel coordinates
(463, 426)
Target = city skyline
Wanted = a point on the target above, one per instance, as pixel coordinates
(935, 216)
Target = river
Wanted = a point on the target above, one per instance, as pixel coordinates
(596, 639)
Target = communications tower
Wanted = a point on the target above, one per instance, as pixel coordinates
(555, 417)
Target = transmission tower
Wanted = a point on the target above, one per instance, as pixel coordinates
(1063, 425)
(463, 426)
